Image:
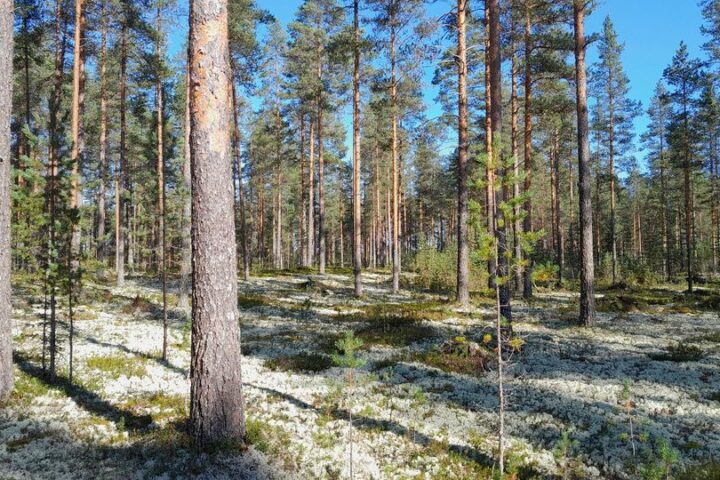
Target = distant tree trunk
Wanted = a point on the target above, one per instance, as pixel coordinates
(462, 294)
(489, 168)
(53, 167)
(714, 207)
(587, 276)
(528, 150)
(216, 399)
(244, 251)
(515, 147)
(611, 173)
(303, 195)
(75, 157)
(101, 250)
(496, 117)
(161, 233)
(321, 193)
(311, 198)
(120, 184)
(395, 167)
(186, 233)
(6, 67)
(357, 206)
(555, 200)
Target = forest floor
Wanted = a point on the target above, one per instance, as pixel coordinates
(625, 399)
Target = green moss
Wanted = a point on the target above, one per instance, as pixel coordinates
(395, 331)
(705, 471)
(114, 366)
(302, 362)
(682, 352)
(450, 362)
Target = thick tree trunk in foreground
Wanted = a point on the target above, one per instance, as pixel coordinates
(6, 66)
(587, 273)
(463, 248)
(357, 207)
(216, 400)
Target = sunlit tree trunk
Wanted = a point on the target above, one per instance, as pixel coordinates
(357, 206)
(395, 164)
(462, 294)
(587, 276)
(528, 148)
(101, 248)
(216, 399)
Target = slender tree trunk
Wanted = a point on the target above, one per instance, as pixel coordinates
(496, 116)
(611, 173)
(395, 167)
(244, 250)
(555, 198)
(489, 150)
(514, 142)
(120, 234)
(321, 193)
(6, 67)
(216, 397)
(311, 199)
(357, 206)
(587, 276)
(186, 249)
(75, 155)
(101, 251)
(161, 233)
(528, 150)
(463, 246)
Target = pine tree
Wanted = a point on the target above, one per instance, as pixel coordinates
(683, 77)
(6, 64)
(614, 122)
(216, 400)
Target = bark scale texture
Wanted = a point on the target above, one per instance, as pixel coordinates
(6, 66)
(216, 400)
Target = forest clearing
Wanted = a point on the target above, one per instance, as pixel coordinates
(360, 239)
(419, 408)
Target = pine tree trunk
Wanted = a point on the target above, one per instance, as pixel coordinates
(244, 250)
(489, 168)
(587, 276)
(611, 173)
(321, 193)
(161, 233)
(528, 151)
(216, 400)
(186, 233)
(515, 147)
(395, 167)
(101, 250)
(357, 206)
(462, 294)
(6, 67)
(311, 198)
(120, 234)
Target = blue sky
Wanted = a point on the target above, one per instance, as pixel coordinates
(651, 30)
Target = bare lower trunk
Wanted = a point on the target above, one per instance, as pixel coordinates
(528, 152)
(186, 249)
(395, 166)
(120, 184)
(161, 233)
(101, 250)
(216, 399)
(587, 276)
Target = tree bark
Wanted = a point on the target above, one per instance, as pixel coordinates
(515, 147)
(528, 150)
(357, 206)
(587, 275)
(161, 233)
(240, 188)
(6, 67)
(216, 400)
(462, 295)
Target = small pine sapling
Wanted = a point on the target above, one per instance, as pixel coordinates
(347, 357)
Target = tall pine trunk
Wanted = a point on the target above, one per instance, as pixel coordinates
(161, 233)
(186, 242)
(528, 149)
(120, 233)
(216, 400)
(462, 294)
(395, 167)
(357, 206)
(101, 250)
(587, 273)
